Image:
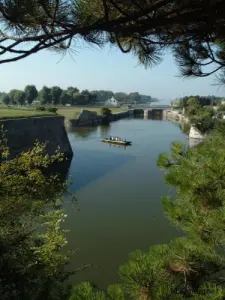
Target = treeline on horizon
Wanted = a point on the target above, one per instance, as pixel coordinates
(71, 96)
(202, 100)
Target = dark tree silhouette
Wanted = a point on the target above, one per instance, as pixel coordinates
(192, 29)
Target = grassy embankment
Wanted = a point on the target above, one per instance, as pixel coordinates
(13, 113)
(69, 112)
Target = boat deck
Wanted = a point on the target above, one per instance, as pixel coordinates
(122, 143)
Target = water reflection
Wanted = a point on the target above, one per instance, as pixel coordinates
(61, 169)
(185, 127)
(90, 164)
(104, 130)
(83, 132)
(118, 146)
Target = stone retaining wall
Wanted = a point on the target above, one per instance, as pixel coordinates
(23, 132)
(85, 119)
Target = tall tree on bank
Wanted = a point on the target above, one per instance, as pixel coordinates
(56, 93)
(65, 98)
(11, 95)
(193, 30)
(45, 96)
(5, 99)
(31, 93)
(20, 97)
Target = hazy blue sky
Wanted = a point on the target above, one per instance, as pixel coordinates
(107, 69)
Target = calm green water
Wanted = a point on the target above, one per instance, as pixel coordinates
(118, 192)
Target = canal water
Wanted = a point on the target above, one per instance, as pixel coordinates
(118, 192)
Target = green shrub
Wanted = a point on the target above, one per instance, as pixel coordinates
(40, 108)
(52, 109)
(106, 112)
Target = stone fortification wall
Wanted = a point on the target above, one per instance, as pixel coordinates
(23, 132)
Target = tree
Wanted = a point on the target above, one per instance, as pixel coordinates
(121, 97)
(56, 93)
(11, 95)
(5, 99)
(102, 96)
(65, 98)
(200, 117)
(31, 93)
(76, 99)
(71, 90)
(135, 97)
(19, 97)
(45, 96)
(74, 95)
(93, 98)
(31, 261)
(106, 114)
(145, 28)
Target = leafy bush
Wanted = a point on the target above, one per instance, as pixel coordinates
(40, 108)
(221, 108)
(201, 118)
(106, 112)
(31, 260)
(52, 109)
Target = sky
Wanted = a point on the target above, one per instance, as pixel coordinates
(107, 69)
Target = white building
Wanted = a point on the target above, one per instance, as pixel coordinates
(111, 102)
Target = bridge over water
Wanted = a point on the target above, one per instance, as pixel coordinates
(159, 111)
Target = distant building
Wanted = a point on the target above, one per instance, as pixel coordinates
(112, 102)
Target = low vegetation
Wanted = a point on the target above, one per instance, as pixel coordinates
(106, 113)
(11, 113)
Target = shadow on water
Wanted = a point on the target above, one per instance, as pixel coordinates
(61, 169)
(104, 130)
(98, 164)
(83, 132)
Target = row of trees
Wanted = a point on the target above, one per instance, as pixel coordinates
(54, 95)
(57, 96)
(122, 97)
(19, 97)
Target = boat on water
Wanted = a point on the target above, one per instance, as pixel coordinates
(117, 142)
